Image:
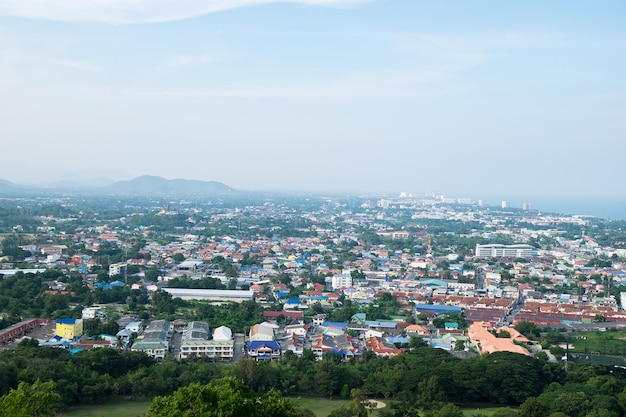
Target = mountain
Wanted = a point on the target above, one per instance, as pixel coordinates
(147, 184)
(4, 184)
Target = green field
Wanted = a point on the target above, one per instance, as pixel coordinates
(605, 343)
(122, 408)
(488, 411)
(320, 406)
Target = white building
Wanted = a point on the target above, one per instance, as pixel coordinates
(504, 251)
(196, 343)
(118, 269)
(213, 295)
(341, 281)
(92, 313)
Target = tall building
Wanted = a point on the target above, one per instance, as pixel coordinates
(69, 328)
(118, 269)
(526, 206)
(341, 281)
(505, 204)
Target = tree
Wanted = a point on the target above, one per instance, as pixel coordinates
(449, 410)
(358, 407)
(37, 400)
(533, 408)
(220, 398)
(430, 393)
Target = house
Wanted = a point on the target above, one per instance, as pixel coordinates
(340, 344)
(263, 331)
(264, 350)
(125, 336)
(417, 330)
(92, 313)
(135, 327)
(273, 315)
(69, 328)
(383, 348)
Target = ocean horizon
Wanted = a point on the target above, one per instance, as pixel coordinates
(602, 207)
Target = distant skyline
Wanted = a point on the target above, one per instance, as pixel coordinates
(464, 98)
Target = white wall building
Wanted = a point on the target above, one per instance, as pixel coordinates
(341, 281)
(504, 251)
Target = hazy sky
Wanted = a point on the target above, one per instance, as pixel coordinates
(457, 97)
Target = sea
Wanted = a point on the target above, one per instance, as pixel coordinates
(603, 207)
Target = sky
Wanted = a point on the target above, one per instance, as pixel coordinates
(454, 97)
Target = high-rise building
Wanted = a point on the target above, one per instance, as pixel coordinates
(505, 204)
(526, 206)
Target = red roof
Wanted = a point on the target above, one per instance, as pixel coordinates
(287, 314)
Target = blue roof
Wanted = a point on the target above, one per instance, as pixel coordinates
(441, 345)
(66, 321)
(292, 301)
(398, 339)
(437, 308)
(434, 283)
(337, 324)
(385, 324)
(451, 325)
(257, 344)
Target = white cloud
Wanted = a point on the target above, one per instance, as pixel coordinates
(136, 11)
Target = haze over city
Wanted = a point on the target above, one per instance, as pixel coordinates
(458, 97)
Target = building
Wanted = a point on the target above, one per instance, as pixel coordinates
(480, 335)
(92, 313)
(504, 251)
(264, 350)
(156, 340)
(213, 295)
(69, 328)
(341, 281)
(20, 329)
(118, 269)
(196, 342)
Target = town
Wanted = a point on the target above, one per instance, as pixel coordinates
(329, 274)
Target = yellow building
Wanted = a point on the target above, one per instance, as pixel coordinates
(69, 328)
